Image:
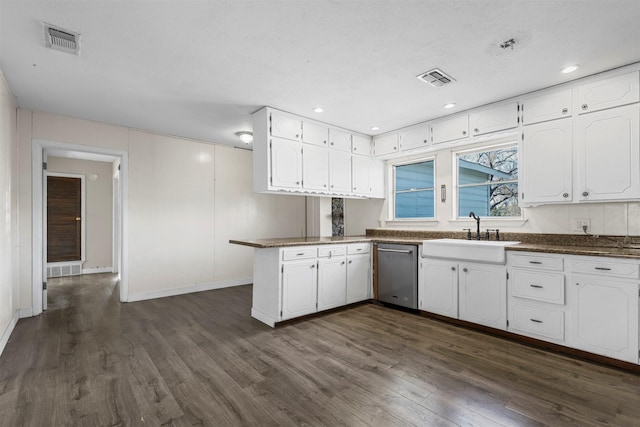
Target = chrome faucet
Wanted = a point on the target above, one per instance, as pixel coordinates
(477, 218)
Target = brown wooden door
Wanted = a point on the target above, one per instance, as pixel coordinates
(64, 231)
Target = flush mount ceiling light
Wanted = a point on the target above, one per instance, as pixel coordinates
(436, 78)
(245, 136)
(60, 39)
(450, 105)
(569, 69)
(318, 110)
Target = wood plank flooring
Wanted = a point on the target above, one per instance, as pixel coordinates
(200, 359)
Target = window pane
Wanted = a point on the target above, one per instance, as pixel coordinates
(415, 204)
(490, 171)
(414, 176)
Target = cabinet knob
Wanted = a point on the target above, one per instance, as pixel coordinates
(465, 270)
(585, 107)
(324, 185)
(453, 269)
(355, 148)
(565, 110)
(395, 148)
(565, 195)
(297, 135)
(476, 130)
(464, 132)
(342, 263)
(331, 185)
(297, 182)
(585, 193)
(313, 266)
(332, 143)
(355, 188)
(424, 141)
(324, 142)
(350, 261)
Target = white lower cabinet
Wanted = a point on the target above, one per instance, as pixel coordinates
(483, 294)
(296, 281)
(438, 287)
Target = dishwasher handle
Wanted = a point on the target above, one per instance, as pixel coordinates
(399, 251)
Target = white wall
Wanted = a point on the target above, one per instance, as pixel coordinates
(9, 292)
(606, 218)
(98, 204)
(186, 200)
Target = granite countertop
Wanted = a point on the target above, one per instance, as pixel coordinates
(555, 247)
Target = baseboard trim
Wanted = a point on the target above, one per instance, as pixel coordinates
(4, 339)
(142, 296)
(97, 270)
(25, 312)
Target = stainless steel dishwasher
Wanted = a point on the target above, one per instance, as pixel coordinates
(397, 267)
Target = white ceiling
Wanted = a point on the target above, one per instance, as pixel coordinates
(198, 69)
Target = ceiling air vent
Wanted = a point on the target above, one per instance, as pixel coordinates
(436, 78)
(60, 39)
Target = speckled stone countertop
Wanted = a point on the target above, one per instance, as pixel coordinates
(567, 244)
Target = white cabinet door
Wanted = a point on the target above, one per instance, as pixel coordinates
(299, 288)
(546, 159)
(283, 126)
(550, 106)
(608, 154)
(286, 163)
(494, 119)
(385, 144)
(450, 129)
(339, 140)
(358, 278)
(414, 137)
(360, 175)
(483, 294)
(315, 134)
(376, 179)
(438, 292)
(315, 168)
(339, 171)
(604, 317)
(607, 93)
(361, 145)
(332, 283)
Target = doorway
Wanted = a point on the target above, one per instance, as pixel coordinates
(118, 160)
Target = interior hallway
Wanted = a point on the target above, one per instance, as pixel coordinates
(200, 359)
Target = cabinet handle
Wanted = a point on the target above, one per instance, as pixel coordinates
(565, 110)
(585, 193)
(300, 254)
(464, 269)
(535, 262)
(565, 195)
(536, 320)
(603, 268)
(585, 107)
(536, 286)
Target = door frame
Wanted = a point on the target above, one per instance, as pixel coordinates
(83, 210)
(39, 151)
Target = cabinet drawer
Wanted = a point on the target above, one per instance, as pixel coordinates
(546, 107)
(329, 251)
(548, 287)
(299, 253)
(359, 248)
(548, 323)
(537, 262)
(605, 268)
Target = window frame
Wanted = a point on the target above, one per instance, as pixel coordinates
(455, 156)
(392, 189)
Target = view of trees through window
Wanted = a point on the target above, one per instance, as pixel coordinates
(488, 182)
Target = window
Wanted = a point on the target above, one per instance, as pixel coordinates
(488, 182)
(414, 195)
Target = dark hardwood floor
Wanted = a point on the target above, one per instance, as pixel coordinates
(200, 359)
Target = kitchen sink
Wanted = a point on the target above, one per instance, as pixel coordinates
(467, 250)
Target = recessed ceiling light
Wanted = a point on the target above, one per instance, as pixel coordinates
(450, 105)
(375, 128)
(245, 136)
(569, 69)
(318, 109)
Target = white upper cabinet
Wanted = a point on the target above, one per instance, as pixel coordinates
(494, 119)
(361, 145)
(315, 134)
(360, 175)
(339, 140)
(315, 168)
(286, 163)
(414, 137)
(339, 172)
(608, 154)
(376, 179)
(550, 106)
(607, 93)
(283, 126)
(450, 129)
(546, 161)
(385, 144)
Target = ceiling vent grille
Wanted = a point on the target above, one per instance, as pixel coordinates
(436, 78)
(60, 39)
